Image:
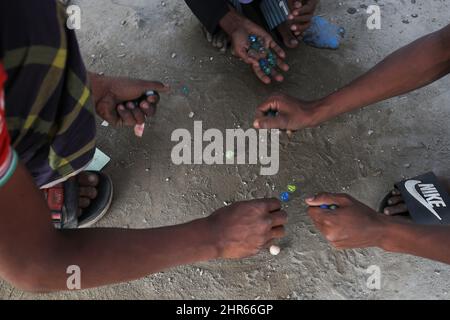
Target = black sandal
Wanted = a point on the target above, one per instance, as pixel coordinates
(62, 200)
(426, 199)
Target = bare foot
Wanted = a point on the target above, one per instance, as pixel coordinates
(396, 205)
(219, 40)
(87, 189)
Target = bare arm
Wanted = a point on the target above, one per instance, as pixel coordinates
(355, 225)
(34, 256)
(405, 70)
(432, 242)
(411, 67)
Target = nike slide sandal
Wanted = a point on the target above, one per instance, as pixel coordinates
(426, 199)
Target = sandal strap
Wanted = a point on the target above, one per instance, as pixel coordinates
(62, 201)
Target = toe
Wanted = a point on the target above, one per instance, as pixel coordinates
(88, 192)
(84, 202)
(395, 200)
(396, 210)
(88, 179)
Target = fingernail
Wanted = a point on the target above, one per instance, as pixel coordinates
(145, 106)
(294, 42)
(293, 28)
(121, 108)
(298, 4)
(256, 124)
(130, 106)
(290, 17)
(310, 199)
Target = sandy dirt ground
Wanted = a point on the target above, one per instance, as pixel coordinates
(363, 153)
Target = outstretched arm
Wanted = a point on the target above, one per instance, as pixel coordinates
(411, 67)
(34, 256)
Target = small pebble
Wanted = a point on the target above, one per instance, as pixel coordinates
(167, 179)
(174, 55)
(275, 250)
(191, 115)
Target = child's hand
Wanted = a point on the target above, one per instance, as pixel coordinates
(291, 113)
(239, 29)
(301, 15)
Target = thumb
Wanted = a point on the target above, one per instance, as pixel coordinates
(324, 198)
(105, 108)
(128, 89)
(145, 85)
(266, 122)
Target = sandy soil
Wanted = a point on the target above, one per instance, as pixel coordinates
(363, 153)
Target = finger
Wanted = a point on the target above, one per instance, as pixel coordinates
(148, 109)
(395, 210)
(87, 192)
(277, 76)
(307, 8)
(88, 179)
(83, 202)
(282, 65)
(395, 200)
(107, 111)
(260, 74)
(396, 192)
(145, 85)
(271, 204)
(279, 122)
(279, 218)
(301, 19)
(270, 104)
(317, 215)
(277, 233)
(328, 199)
(275, 47)
(139, 117)
(289, 39)
(126, 116)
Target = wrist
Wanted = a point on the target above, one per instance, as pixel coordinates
(387, 234)
(209, 239)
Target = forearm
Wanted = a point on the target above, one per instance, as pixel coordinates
(107, 256)
(431, 242)
(407, 69)
(34, 256)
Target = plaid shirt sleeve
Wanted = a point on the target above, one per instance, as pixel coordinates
(8, 157)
